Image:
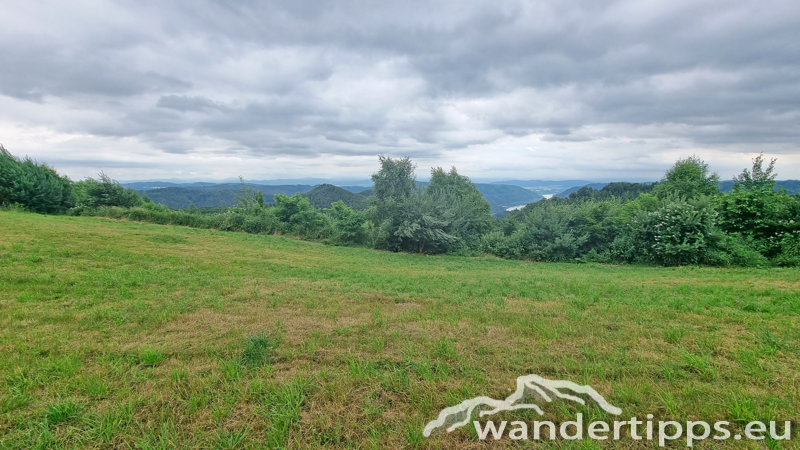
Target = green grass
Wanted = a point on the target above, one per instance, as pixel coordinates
(125, 335)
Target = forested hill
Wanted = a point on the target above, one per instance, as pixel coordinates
(323, 195)
(504, 196)
(214, 195)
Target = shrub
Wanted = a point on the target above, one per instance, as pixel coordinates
(287, 207)
(735, 250)
(761, 214)
(677, 232)
(106, 192)
(498, 244)
(232, 220)
(261, 223)
(550, 234)
(790, 249)
(311, 224)
(348, 223)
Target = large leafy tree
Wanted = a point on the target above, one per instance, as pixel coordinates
(425, 223)
(688, 178)
(447, 213)
(470, 212)
(393, 183)
(757, 178)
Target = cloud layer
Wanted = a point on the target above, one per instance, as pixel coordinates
(595, 89)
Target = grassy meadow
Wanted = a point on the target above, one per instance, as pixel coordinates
(124, 335)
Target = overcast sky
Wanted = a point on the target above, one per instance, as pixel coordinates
(502, 90)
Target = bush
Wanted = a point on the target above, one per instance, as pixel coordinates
(377, 234)
(106, 192)
(735, 250)
(498, 244)
(311, 224)
(549, 232)
(677, 232)
(232, 220)
(790, 249)
(761, 214)
(348, 224)
(287, 207)
(261, 223)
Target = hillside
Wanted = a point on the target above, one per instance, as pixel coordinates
(503, 196)
(567, 192)
(323, 195)
(545, 187)
(215, 195)
(125, 335)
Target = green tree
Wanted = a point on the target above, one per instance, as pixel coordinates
(470, 214)
(32, 185)
(549, 232)
(757, 178)
(757, 212)
(393, 183)
(288, 207)
(689, 178)
(445, 215)
(425, 222)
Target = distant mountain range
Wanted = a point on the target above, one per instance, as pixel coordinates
(181, 196)
(500, 196)
(141, 185)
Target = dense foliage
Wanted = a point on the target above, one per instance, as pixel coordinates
(34, 186)
(214, 195)
(682, 219)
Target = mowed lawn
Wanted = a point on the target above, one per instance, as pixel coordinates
(125, 335)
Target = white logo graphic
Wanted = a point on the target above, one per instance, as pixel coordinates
(527, 386)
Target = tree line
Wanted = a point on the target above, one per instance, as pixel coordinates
(682, 219)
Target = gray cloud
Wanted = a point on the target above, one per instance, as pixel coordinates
(307, 79)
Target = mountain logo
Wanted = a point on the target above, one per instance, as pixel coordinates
(528, 386)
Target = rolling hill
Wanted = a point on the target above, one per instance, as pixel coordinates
(323, 195)
(215, 195)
